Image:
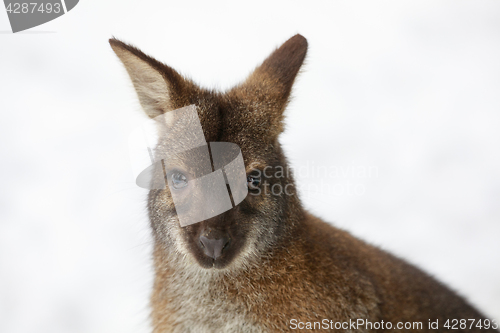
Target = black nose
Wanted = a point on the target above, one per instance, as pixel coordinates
(213, 247)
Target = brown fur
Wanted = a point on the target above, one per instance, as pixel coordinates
(283, 263)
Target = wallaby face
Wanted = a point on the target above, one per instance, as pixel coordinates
(266, 264)
(249, 115)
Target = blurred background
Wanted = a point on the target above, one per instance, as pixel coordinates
(398, 101)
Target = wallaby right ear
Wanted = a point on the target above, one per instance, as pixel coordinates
(156, 84)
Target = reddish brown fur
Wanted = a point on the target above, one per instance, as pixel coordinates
(301, 267)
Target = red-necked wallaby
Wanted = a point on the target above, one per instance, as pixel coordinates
(267, 265)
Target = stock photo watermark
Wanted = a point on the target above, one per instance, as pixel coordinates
(331, 180)
(24, 15)
(363, 324)
(206, 179)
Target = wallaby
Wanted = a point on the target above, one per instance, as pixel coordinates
(267, 265)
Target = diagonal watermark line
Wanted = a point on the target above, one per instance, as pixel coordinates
(64, 6)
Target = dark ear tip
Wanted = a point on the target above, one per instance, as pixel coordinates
(115, 42)
(299, 39)
(118, 46)
(296, 45)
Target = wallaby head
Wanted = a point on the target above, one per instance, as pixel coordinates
(249, 115)
(265, 264)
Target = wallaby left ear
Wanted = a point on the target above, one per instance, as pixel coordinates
(157, 85)
(275, 76)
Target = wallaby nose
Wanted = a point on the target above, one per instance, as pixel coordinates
(213, 247)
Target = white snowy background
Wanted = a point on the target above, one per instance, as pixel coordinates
(407, 90)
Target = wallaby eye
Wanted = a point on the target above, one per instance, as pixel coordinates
(253, 182)
(179, 180)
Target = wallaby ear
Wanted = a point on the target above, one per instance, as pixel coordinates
(262, 98)
(275, 76)
(156, 84)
